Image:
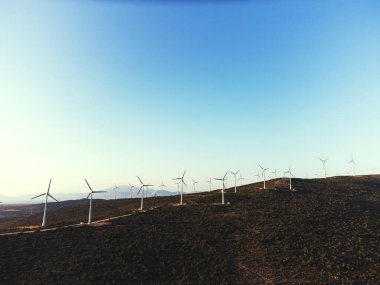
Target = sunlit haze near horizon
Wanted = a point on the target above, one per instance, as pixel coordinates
(108, 90)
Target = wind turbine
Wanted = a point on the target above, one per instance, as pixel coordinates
(324, 165)
(226, 183)
(263, 171)
(258, 176)
(234, 173)
(115, 189)
(162, 185)
(209, 181)
(90, 196)
(131, 188)
(47, 195)
(177, 186)
(275, 173)
(182, 183)
(142, 194)
(353, 165)
(223, 180)
(290, 177)
(241, 179)
(194, 182)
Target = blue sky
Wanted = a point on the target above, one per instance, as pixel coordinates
(109, 90)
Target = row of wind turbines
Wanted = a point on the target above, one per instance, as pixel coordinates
(180, 180)
(180, 183)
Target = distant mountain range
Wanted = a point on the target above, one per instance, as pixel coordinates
(123, 192)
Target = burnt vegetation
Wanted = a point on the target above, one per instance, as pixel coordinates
(328, 231)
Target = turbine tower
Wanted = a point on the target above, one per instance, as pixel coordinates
(353, 166)
(47, 195)
(194, 182)
(263, 171)
(290, 177)
(324, 165)
(223, 181)
(142, 194)
(210, 182)
(182, 183)
(90, 196)
(234, 173)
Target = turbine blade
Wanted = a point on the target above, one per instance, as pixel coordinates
(183, 174)
(49, 186)
(139, 190)
(88, 185)
(88, 196)
(140, 180)
(99, 191)
(38, 196)
(53, 198)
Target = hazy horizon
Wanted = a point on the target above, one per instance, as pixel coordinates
(108, 90)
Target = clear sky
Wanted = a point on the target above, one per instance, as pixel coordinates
(109, 90)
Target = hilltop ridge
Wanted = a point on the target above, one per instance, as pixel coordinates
(327, 231)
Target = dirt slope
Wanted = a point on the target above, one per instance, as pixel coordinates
(328, 231)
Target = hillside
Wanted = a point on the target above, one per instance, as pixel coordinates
(31, 212)
(327, 231)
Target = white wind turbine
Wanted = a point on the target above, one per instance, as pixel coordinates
(290, 178)
(226, 183)
(47, 195)
(223, 181)
(177, 186)
(142, 194)
(263, 171)
(182, 183)
(324, 165)
(162, 185)
(131, 189)
(210, 182)
(353, 166)
(194, 182)
(275, 173)
(234, 174)
(115, 190)
(90, 196)
(241, 179)
(258, 176)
